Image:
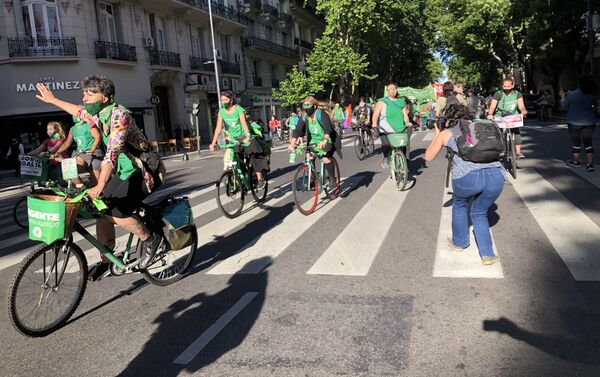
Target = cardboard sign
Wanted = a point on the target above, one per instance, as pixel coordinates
(511, 121)
(69, 168)
(31, 166)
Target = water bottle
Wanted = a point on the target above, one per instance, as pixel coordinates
(292, 157)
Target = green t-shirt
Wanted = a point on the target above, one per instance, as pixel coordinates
(317, 134)
(82, 135)
(231, 122)
(507, 105)
(338, 114)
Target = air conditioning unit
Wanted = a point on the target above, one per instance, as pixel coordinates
(204, 80)
(237, 57)
(149, 42)
(219, 55)
(226, 84)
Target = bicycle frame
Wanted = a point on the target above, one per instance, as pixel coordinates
(309, 157)
(105, 250)
(235, 164)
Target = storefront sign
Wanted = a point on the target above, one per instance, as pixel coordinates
(52, 85)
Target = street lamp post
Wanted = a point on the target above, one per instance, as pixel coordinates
(214, 49)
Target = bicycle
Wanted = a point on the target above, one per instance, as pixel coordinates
(236, 181)
(397, 160)
(364, 143)
(50, 282)
(308, 183)
(510, 152)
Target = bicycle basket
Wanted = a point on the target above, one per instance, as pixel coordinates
(178, 223)
(51, 218)
(398, 140)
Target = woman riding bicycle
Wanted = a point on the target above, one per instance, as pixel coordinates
(390, 116)
(51, 146)
(88, 152)
(320, 135)
(121, 177)
(236, 129)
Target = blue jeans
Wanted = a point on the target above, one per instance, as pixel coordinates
(484, 186)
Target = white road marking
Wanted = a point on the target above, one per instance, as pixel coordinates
(430, 136)
(194, 349)
(464, 264)
(591, 177)
(277, 239)
(573, 234)
(356, 247)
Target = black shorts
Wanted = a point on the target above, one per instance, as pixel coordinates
(123, 198)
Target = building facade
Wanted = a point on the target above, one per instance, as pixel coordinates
(157, 52)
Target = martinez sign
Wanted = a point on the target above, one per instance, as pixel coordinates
(52, 85)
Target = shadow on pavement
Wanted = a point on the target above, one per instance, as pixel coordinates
(188, 319)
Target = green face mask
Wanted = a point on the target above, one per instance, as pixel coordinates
(93, 108)
(225, 105)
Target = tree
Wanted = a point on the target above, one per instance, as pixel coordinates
(296, 87)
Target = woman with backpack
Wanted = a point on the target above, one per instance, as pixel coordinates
(479, 182)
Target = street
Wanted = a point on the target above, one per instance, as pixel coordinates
(365, 286)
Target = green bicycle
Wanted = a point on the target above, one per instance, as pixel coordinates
(236, 181)
(50, 282)
(309, 182)
(397, 159)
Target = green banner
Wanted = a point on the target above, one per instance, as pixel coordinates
(425, 94)
(46, 220)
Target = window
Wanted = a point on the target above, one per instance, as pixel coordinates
(196, 49)
(256, 69)
(107, 23)
(160, 35)
(40, 18)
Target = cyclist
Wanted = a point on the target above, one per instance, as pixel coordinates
(236, 129)
(122, 176)
(88, 152)
(362, 112)
(390, 115)
(338, 119)
(505, 102)
(319, 133)
(50, 146)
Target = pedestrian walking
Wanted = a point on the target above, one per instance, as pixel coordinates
(14, 151)
(581, 119)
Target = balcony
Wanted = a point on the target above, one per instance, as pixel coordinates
(257, 81)
(167, 59)
(268, 46)
(285, 18)
(231, 68)
(275, 83)
(201, 64)
(115, 51)
(41, 47)
(271, 11)
(220, 10)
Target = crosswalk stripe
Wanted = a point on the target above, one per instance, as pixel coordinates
(429, 137)
(592, 178)
(356, 247)
(465, 264)
(251, 260)
(573, 234)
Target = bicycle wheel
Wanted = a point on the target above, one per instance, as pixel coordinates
(399, 169)
(20, 213)
(230, 194)
(47, 288)
(359, 147)
(511, 155)
(259, 194)
(170, 266)
(332, 193)
(306, 189)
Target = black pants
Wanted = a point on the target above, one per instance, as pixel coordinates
(256, 156)
(579, 134)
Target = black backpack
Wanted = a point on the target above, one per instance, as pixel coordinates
(479, 141)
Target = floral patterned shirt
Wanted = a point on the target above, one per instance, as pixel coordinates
(118, 129)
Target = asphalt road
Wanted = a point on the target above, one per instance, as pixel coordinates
(365, 286)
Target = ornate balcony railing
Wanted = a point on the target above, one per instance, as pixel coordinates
(257, 81)
(115, 51)
(41, 46)
(271, 10)
(165, 58)
(259, 43)
(231, 68)
(201, 64)
(219, 9)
